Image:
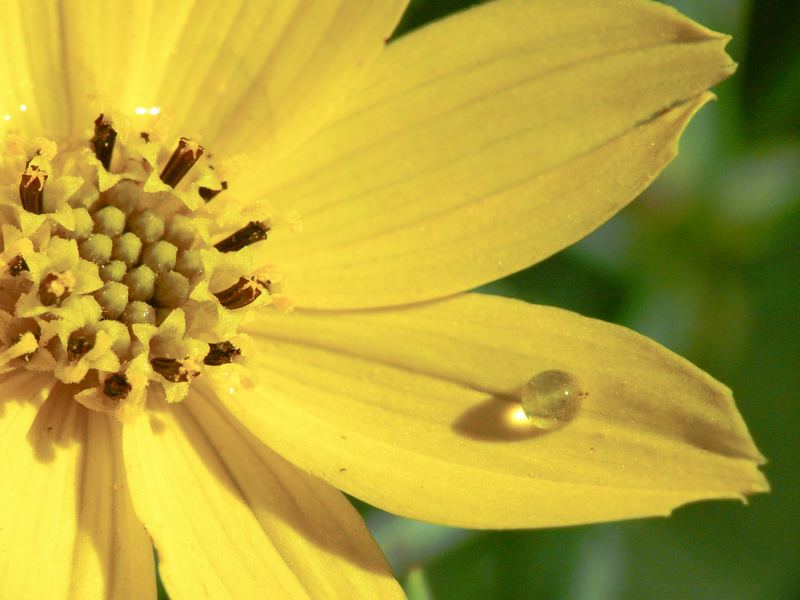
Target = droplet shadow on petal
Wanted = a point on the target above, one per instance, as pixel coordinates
(497, 419)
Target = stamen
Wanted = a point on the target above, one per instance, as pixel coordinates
(208, 194)
(251, 233)
(77, 346)
(175, 370)
(31, 188)
(221, 353)
(103, 141)
(124, 261)
(242, 293)
(117, 386)
(55, 286)
(22, 346)
(17, 265)
(181, 161)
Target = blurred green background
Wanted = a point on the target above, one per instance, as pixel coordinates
(707, 262)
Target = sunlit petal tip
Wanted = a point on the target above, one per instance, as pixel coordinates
(402, 408)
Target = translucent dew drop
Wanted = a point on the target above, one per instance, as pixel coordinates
(551, 399)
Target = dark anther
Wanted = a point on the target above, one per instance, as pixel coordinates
(241, 293)
(117, 386)
(52, 289)
(103, 140)
(181, 161)
(221, 353)
(251, 233)
(77, 346)
(145, 136)
(31, 188)
(208, 194)
(173, 370)
(17, 266)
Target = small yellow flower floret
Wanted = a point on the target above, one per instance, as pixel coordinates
(61, 283)
(27, 344)
(123, 276)
(34, 174)
(46, 148)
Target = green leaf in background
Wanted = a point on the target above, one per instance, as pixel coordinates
(771, 71)
(417, 586)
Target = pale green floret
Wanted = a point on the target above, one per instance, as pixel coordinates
(181, 231)
(83, 224)
(141, 282)
(118, 332)
(113, 271)
(139, 312)
(189, 263)
(96, 249)
(127, 248)
(172, 290)
(160, 256)
(126, 196)
(113, 298)
(110, 221)
(147, 225)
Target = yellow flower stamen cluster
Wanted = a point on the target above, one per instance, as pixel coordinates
(118, 274)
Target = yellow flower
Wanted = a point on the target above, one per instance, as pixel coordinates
(157, 386)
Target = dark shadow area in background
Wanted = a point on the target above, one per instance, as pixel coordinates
(421, 12)
(566, 281)
(770, 72)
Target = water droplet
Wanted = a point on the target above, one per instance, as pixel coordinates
(551, 399)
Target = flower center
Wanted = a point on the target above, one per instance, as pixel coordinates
(121, 273)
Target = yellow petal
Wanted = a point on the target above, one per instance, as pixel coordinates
(486, 142)
(33, 89)
(232, 519)
(250, 77)
(416, 410)
(67, 528)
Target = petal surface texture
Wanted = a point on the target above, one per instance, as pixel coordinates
(67, 528)
(252, 77)
(415, 410)
(231, 519)
(486, 142)
(32, 73)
